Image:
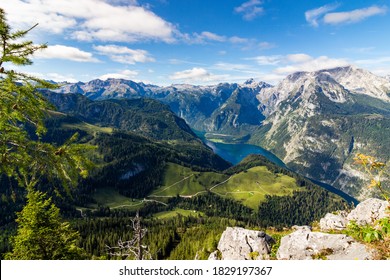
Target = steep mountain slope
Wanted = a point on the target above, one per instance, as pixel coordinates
(239, 112)
(316, 122)
(142, 116)
(202, 107)
(129, 162)
(361, 81)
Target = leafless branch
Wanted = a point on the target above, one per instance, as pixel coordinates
(134, 247)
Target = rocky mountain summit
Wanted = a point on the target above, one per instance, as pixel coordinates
(304, 244)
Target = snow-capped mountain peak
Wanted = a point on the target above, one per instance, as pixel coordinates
(361, 81)
(303, 86)
(255, 85)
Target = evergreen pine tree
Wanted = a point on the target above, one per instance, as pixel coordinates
(41, 234)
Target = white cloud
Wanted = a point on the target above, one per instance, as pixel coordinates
(176, 61)
(246, 69)
(238, 40)
(290, 63)
(267, 60)
(355, 15)
(231, 66)
(266, 45)
(377, 65)
(56, 77)
(362, 50)
(202, 38)
(206, 37)
(382, 71)
(123, 2)
(124, 54)
(312, 16)
(212, 36)
(307, 63)
(271, 78)
(65, 52)
(91, 19)
(196, 74)
(125, 74)
(191, 74)
(250, 9)
(379, 60)
(298, 57)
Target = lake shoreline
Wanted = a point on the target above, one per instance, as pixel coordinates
(236, 152)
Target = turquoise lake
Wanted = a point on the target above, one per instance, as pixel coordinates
(234, 153)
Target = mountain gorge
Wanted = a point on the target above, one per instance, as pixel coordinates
(314, 121)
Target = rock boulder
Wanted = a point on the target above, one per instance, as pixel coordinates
(241, 244)
(368, 211)
(334, 221)
(303, 244)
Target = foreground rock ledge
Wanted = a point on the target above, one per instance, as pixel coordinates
(366, 213)
(303, 244)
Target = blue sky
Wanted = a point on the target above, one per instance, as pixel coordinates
(202, 42)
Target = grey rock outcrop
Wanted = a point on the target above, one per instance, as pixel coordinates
(368, 211)
(241, 244)
(303, 244)
(334, 221)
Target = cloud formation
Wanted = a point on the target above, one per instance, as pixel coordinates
(310, 64)
(312, 16)
(321, 14)
(290, 63)
(196, 74)
(355, 15)
(125, 74)
(267, 60)
(206, 35)
(91, 20)
(124, 55)
(250, 9)
(66, 53)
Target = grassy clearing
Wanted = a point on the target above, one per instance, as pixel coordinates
(184, 181)
(110, 197)
(251, 186)
(90, 128)
(176, 212)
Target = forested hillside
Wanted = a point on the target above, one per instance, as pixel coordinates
(133, 168)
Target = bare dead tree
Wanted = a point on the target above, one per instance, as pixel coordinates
(134, 247)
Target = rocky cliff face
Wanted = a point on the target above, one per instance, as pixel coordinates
(303, 243)
(317, 121)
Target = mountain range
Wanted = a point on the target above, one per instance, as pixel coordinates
(314, 121)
